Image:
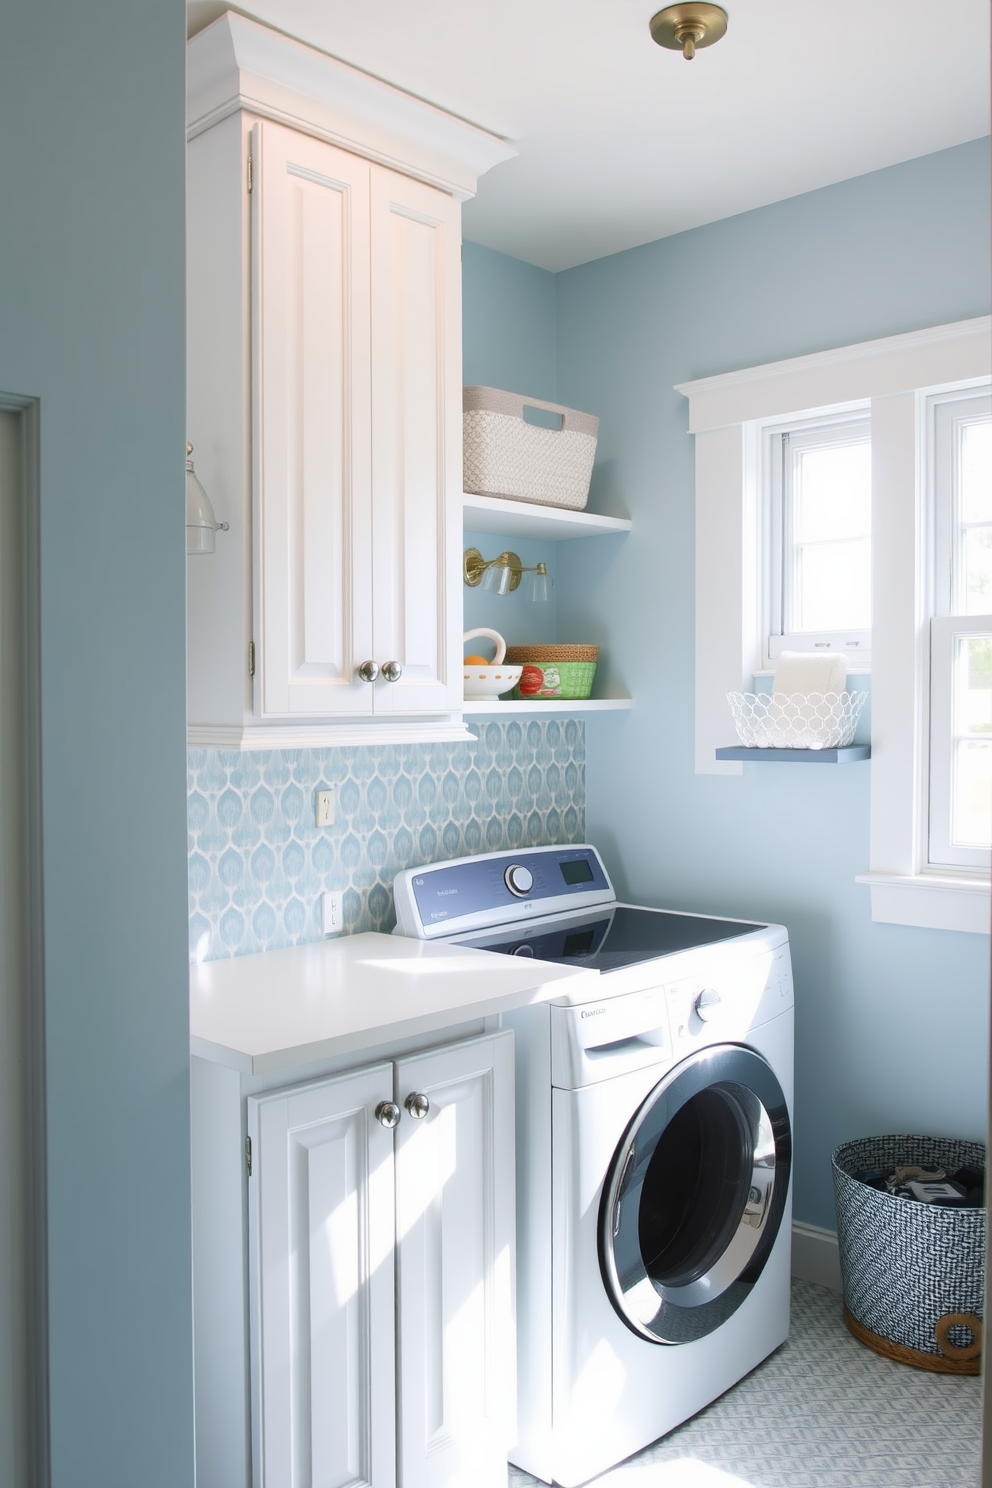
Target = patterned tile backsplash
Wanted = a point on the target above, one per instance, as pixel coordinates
(258, 863)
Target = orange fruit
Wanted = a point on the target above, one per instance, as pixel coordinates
(476, 661)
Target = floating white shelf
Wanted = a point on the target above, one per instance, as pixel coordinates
(845, 754)
(474, 708)
(523, 519)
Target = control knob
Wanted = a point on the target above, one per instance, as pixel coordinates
(707, 1004)
(519, 880)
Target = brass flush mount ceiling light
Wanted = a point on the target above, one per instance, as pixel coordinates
(685, 28)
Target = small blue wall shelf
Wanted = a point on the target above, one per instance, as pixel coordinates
(845, 756)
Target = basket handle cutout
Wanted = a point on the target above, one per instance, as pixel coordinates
(950, 1350)
(543, 418)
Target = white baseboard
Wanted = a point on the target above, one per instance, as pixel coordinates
(815, 1255)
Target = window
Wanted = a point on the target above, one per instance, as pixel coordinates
(818, 520)
(901, 379)
(960, 799)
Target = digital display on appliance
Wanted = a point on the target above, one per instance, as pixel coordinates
(576, 872)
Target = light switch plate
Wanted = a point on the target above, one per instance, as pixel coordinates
(326, 803)
(332, 912)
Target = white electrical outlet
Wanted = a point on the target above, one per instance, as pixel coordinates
(326, 802)
(332, 912)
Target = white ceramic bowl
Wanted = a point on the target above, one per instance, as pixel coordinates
(490, 681)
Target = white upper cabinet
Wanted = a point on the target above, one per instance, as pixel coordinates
(312, 424)
(416, 443)
(324, 347)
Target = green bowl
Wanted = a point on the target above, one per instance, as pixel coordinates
(555, 679)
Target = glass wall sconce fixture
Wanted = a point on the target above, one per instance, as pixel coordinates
(201, 524)
(686, 28)
(503, 574)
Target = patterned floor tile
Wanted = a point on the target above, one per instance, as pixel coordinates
(822, 1412)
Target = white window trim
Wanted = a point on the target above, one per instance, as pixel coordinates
(725, 414)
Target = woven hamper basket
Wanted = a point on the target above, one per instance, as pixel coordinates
(913, 1273)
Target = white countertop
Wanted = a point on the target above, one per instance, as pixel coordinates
(283, 1008)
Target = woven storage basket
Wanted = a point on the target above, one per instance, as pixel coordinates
(911, 1270)
(554, 671)
(506, 456)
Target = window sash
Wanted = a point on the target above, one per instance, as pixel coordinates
(948, 733)
(948, 416)
(783, 445)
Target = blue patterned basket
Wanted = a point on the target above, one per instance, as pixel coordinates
(914, 1274)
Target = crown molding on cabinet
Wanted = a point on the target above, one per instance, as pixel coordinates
(443, 730)
(236, 63)
(934, 356)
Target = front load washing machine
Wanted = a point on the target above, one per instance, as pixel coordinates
(653, 1142)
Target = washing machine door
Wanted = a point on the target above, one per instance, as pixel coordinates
(695, 1195)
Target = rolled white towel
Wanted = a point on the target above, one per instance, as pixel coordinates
(809, 671)
(806, 672)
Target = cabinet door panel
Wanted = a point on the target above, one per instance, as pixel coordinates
(416, 441)
(455, 1227)
(312, 424)
(322, 1233)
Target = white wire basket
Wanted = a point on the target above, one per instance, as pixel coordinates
(797, 720)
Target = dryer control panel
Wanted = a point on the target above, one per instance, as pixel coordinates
(475, 893)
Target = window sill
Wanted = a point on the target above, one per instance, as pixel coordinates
(929, 901)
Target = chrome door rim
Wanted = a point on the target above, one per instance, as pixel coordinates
(667, 1312)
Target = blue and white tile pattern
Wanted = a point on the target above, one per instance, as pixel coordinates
(258, 863)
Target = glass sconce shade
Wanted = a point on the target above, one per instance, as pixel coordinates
(201, 524)
(496, 579)
(539, 584)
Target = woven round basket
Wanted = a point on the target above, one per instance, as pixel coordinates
(913, 1273)
(518, 654)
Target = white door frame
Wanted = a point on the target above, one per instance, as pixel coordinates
(24, 1455)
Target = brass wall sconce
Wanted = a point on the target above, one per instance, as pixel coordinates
(686, 28)
(502, 575)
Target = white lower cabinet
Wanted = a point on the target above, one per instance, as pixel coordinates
(381, 1274)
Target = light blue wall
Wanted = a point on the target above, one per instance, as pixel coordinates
(508, 319)
(890, 1021)
(91, 324)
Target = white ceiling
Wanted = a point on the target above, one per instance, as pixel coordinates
(621, 142)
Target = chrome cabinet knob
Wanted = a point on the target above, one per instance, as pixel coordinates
(417, 1105)
(392, 671)
(388, 1112)
(368, 671)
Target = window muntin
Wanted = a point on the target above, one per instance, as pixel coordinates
(960, 725)
(819, 523)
